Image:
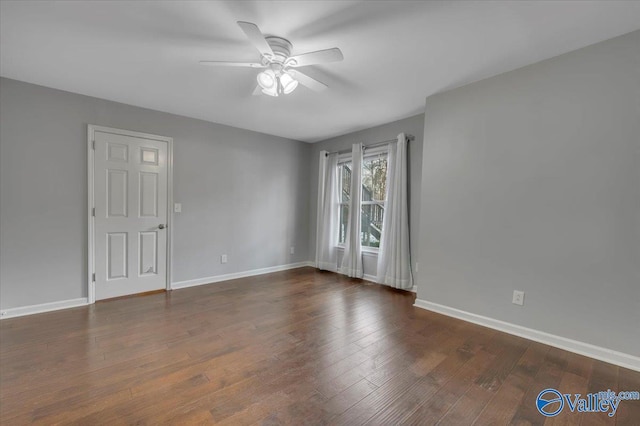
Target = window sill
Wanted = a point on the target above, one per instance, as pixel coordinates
(366, 251)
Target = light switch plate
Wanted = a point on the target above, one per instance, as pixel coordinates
(177, 208)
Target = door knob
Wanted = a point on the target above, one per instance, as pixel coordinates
(161, 226)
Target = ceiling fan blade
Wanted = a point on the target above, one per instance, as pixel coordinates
(311, 83)
(232, 64)
(318, 57)
(257, 91)
(256, 38)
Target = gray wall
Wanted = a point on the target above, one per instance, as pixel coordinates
(242, 193)
(531, 181)
(412, 125)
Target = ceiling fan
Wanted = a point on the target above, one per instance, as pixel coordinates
(279, 76)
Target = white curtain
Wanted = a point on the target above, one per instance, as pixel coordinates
(394, 260)
(327, 217)
(352, 258)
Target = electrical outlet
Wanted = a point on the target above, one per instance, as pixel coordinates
(518, 297)
(177, 208)
(292, 250)
(223, 258)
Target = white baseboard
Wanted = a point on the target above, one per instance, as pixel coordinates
(215, 279)
(368, 277)
(586, 349)
(43, 307)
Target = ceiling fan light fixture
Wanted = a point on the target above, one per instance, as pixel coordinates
(288, 83)
(267, 80)
(272, 91)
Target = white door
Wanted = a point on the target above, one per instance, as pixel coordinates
(130, 223)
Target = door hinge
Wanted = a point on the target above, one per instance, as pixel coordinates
(93, 212)
(93, 277)
(93, 144)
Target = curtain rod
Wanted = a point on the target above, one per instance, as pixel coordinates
(371, 145)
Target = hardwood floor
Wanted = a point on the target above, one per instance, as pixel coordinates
(296, 347)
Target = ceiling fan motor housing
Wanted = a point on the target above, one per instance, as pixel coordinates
(281, 48)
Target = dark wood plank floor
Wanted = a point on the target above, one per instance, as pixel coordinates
(295, 347)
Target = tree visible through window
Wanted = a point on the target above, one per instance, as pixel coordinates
(374, 186)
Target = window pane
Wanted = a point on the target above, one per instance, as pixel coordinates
(372, 215)
(345, 182)
(374, 178)
(342, 224)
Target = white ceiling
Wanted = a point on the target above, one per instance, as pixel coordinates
(396, 53)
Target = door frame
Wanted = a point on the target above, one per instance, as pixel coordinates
(91, 129)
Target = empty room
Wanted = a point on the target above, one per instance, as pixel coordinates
(320, 212)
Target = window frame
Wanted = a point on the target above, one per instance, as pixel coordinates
(346, 158)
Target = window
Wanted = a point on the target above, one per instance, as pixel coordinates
(374, 181)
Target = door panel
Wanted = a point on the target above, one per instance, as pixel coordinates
(130, 193)
(117, 152)
(117, 255)
(148, 244)
(148, 195)
(117, 183)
